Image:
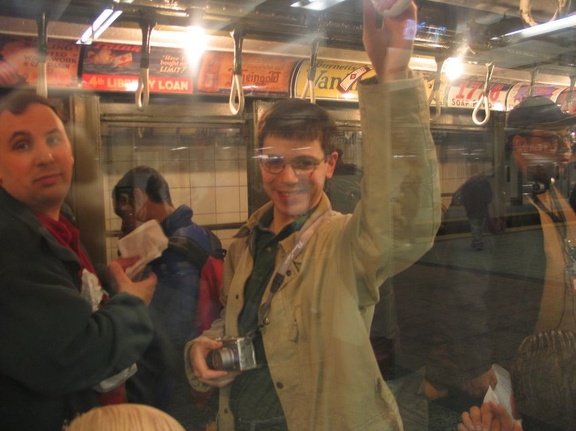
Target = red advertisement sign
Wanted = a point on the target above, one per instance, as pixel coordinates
(261, 75)
(19, 62)
(465, 93)
(100, 82)
(116, 67)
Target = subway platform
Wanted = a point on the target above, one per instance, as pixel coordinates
(478, 302)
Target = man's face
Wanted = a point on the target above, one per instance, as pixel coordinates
(539, 152)
(294, 173)
(124, 208)
(546, 145)
(35, 158)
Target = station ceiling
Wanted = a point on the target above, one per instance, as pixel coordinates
(469, 28)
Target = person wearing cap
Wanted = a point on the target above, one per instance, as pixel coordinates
(539, 140)
(520, 274)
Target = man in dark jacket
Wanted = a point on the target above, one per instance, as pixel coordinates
(66, 345)
(476, 195)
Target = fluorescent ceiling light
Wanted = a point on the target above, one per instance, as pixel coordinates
(100, 24)
(453, 68)
(316, 4)
(538, 30)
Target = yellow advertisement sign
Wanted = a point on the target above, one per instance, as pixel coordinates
(332, 80)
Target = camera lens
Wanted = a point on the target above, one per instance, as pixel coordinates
(222, 359)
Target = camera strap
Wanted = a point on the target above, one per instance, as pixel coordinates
(303, 238)
(558, 217)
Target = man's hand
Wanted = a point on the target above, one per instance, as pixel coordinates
(199, 350)
(389, 46)
(489, 417)
(143, 289)
(478, 386)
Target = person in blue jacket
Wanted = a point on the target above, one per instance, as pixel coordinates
(141, 195)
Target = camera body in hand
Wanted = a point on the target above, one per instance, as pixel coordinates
(237, 354)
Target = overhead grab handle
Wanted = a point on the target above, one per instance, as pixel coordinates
(533, 76)
(484, 99)
(42, 83)
(310, 86)
(435, 94)
(143, 90)
(570, 97)
(237, 100)
(526, 11)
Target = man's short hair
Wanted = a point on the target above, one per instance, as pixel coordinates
(17, 101)
(544, 381)
(298, 119)
(146, 179)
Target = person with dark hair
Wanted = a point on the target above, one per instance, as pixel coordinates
(139, 195)
(544, 381)
(143, 194)
(301, 280)
(67, 345)
(476, 195)
(543, 377)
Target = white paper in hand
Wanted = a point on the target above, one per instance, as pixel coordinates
(503, 390)
(147, 241)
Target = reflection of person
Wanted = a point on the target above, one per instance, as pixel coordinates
(476, 195)
(124, 417)
(143, 194)
(302, 280)
(61, 335)
(540, 143)
(543, 379)
(474, 298)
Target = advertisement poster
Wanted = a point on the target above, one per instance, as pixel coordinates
(261, 75)
(520, 91)
(332, 80)
(567, 100)
(429, 83)
(465, 93)
(116, 67)
(19, 62)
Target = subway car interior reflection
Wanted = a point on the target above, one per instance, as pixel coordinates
(288, 215)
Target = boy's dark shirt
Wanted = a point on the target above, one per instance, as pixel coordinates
(253, 396)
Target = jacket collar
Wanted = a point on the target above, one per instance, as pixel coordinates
(17, 210)
(251, 223)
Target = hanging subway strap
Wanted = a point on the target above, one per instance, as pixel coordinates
(278, 278)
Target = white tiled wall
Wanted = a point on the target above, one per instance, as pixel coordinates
(210, 176)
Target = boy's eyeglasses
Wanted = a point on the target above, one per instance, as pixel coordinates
(302, 165)
(555, 141)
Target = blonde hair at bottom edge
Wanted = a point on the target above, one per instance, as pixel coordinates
(123, 417)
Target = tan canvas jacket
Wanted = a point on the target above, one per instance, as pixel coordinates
(317, 334)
